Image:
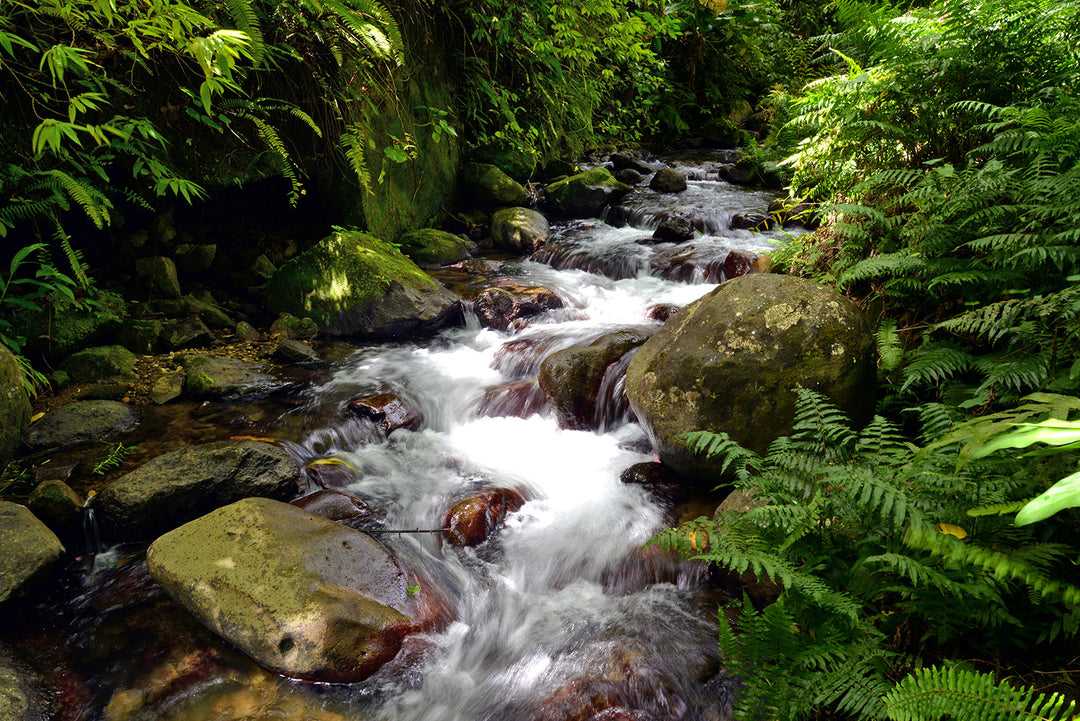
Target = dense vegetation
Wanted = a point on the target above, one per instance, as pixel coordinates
(937, 141)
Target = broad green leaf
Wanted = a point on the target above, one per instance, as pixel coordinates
(1052, 432)
(1063, 494)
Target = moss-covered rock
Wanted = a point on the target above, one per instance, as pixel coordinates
(351, 283)
(519, 230)
(222, 377)
(140, 336)
(103, 363)
(14, 406)
(289, 326)
(59, 330)
(27, 550)
(302, 595)
(729, 363)
(668, 180)
(513, 161)
(432, 248)
(89, 421)
(485, 183)
(584, 195)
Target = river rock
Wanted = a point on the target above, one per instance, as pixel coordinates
(338, 506)
(674, 230)
(668, 180)
(180, 485)
(661, 311)
(15, 407)
(56, 504)
(629, 176)
(302, 595)
(222, 377)
(513, 161)
(739, 263)
(584, 195)
(795, 212)
(571, 378)
(295, 351)
(28, 549)
(487, 184)
(751, 221)
(167, 386)
(289, 326)
(387, 411)
(625, 161)
(82, 422)
(729, 363)
(518, 399)
(158, 273)
(519, 230)
(430, 248)
(103, 363)
(353, 284)
(194, 258)
(501, 306)
(19, 699)
(471, 520)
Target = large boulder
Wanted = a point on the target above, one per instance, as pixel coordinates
(60, 329)
(176, 487)
(729, 362)
(472, 520)
(103, 363)
(503, 306)
(223, 377)
(20, 697)
(14, 405)
(572, 378)
(668, 180)
(82, 422)
(513, 161)
(584, 195)
(486, 183)
(304, 596)
(28, 549)
(519, 230)
(352, 283)
(431, 248)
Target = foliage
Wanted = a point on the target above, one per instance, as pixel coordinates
(114, 458)
(879, 562)
(946, 154)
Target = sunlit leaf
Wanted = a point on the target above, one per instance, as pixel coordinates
(1063, 494)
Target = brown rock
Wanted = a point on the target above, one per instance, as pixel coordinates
(518, 399)
(471, 520)
(500, 306)
(388, 411)
(739, 262)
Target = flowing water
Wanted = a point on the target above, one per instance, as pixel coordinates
(562, 613)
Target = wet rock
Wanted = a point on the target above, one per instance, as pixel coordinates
(581, 700)
(625, 161)
(555, 169)
(794, 212)
(517, 399)
(629, 176)
(194, 259)
(295, 351)
(618, 216)
(732, 361)
(56, 504)
(303, 596)
(187, 333)
(618, 713)
(473, 519)
(337, 506)
(222, 377)
(82, 422)
(353, 284)
(140, 336)
(20, 700)
(158, 273)
(430, 248)
(104, 363)
(15, 407)
(167, 386)
(388, 411)
(668, 180)
(649, 566)
(246, 331)
(584, 195)
(501, 306)
(519, 230)
(487, 184)
(661, 311)
(180, 485)
(330, 473)
(289, 326)
(479, 266)
(674, 230)
(655, 478)
(751, 221)
(688, 262)
(28, 549)
(105, 392)
(513, 161)
(738, 263)
(572, 378)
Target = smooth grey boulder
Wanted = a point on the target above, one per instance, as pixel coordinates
(730, 361)
(223, 377)
(303, 596)
(82, 422)
(519, 230)
(180, 485)
(15, 407)
(28, 549)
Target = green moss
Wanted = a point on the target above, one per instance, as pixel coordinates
(431, 248)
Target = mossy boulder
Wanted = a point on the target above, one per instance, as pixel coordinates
(668, 180)
(487, 184)
(513, 161)
(28, 549)
(14, 405)
(584, 195)
(103, 363)
(82, 422)
(223, 377)
(59, 330)
(519, 230)
(302, 595)
(432, 248)
(730, 361)
(354, 284)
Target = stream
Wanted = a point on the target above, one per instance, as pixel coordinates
(561, 614)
